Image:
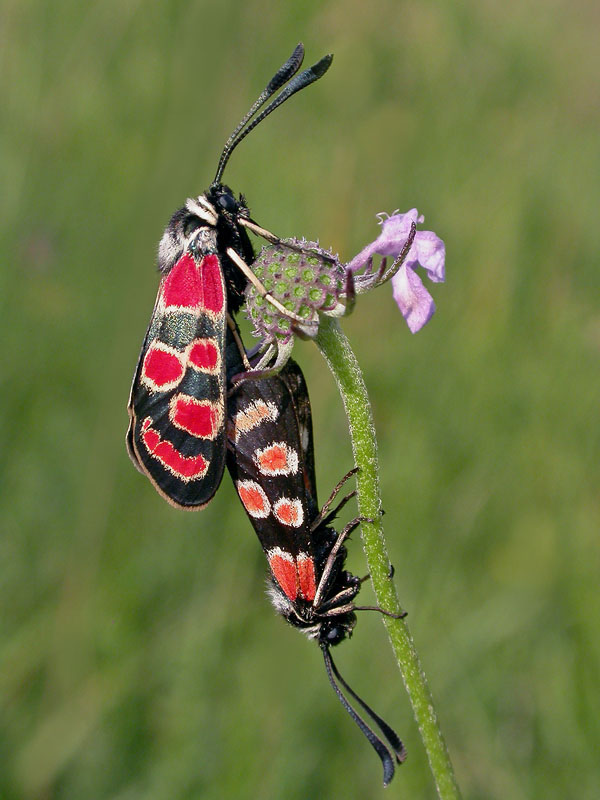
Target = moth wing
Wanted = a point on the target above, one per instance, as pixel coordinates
(270, 458)
(176, 433)
(297, 389)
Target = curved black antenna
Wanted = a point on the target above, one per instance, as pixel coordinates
(282, 76)
(389, 733)
(305, 78)
(374, 740)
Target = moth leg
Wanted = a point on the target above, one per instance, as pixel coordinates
(270, 237)
(391, 614)
(236, 335)
(265, 367)
(334, 612)
(329, 608)
(323, 514)
(342, 535)
(281, 351)
(247, 272)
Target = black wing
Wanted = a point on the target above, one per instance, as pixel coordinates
(176, 434)
(270, 456)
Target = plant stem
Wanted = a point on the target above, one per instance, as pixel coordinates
(341, 360)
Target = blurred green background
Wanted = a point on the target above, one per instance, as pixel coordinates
(139, 656)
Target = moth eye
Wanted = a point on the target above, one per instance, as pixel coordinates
(190, 225)
(228, 202)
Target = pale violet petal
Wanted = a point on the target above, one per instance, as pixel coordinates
(391, 240)
(431, 254)
(359, 260)
(413, 299)
(395, 231)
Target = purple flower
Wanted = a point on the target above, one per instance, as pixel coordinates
(427, 250)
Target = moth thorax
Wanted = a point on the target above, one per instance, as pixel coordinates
(203, 209)
(191, 228)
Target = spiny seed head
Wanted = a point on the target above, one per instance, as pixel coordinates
(305, 282)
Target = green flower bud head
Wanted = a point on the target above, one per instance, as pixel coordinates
(306, 283)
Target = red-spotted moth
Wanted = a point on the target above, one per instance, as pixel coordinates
(177, 406)
(270, 457)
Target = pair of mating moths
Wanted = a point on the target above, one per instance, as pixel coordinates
(190, 412)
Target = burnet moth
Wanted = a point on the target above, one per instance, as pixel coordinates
(270, 457)
(177, 405)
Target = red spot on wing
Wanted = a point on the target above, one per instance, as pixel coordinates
(204, 355)
(306, 576)
(182, 287)
(212, 285)
(195, 287)
(284, 571)
(198, 417)
(161, 369)
(183, 467)
(254, 499)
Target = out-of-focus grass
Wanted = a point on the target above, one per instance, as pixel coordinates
(139, 656)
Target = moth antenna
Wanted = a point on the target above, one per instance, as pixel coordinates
(305, 78)
(374, 740)
(389, 733)
(281, 77)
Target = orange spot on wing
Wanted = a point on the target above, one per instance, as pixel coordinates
(254, 499)
(251, 417)
(284, 571)
(273, 459)
(289, 512)
(306, 576)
